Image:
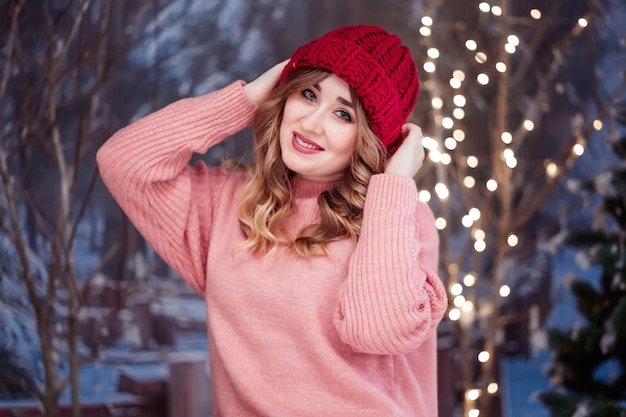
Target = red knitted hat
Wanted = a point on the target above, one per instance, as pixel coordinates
(376, 65)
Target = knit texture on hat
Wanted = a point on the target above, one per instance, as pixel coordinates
(376, 65)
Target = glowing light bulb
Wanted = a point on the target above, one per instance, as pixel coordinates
(440, 223)
(535, 14)
(427, 20)
(474, 412)
(492, 388)
(442, 191)
(480, 57)
(513, 40)
(529, 125)
(473, 394)
(483, 356)
(429, 143)
(484, 7)
(459, 135)
(552, 169)
(501, 67)
(582, 22)
(469, 181)
(480, 246)
(459, 75)
(468, 306)
(458, 301)
(469, 280)
(506, 137)
(479, 234)
(505, 291)
(454, 314)
(510, 48)
(482, 78)
(447, 122)
(433, 53)
(458, 113)
(425, 31)
(474, 213)
(578, 149)
(455, 83)
(446, 159)
(460, 100)
(429, 66)
(424, 196)
(456, 289)
(471, 44)
(512, 240)
(436, 102)
(496, 11)
(467, 221)
(492, 185)
(597, 124)
(511, 162)
(450, 143)
(472, 161)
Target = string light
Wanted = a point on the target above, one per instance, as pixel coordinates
(552, 169)
(496, 10)
(425, 31)
(473, 394)
(458, 135)
(484, 7)
(492, 185)
(436, 102)
(440, 223)
(472, 161)
(456, 289)
(492, 388)
(469, 280)
(429, 143)
(458, 301)
(429, 66)
(582, 22)
(458, 113)
(454, 314)
(427, 20)
(529, 125)
(450, 143)
(504, 291)
(501, 67)
(535, 14)
(424, 196)
(506, 137)
(455, 83)
(459, 75)
(578, 149)
(512, 240)
(480, 246)
(459, 100)
(482, 78)
(483, 356)
(468, 306)
(442, 191)
(433, 53)
(469, 181)
(447, 122)
(597, 124)
(471, 44)
(480, 57)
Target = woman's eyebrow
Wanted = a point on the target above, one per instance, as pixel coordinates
(339, 99)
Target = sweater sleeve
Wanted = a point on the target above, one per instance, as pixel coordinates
(392, 298)
(146, 168)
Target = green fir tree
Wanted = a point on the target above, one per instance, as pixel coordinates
(589, 360)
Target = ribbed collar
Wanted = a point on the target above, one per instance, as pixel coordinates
(302, 188)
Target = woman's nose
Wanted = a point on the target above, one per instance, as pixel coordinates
(313, 121)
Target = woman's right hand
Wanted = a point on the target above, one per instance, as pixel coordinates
(260, 88)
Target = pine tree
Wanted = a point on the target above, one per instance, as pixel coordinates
(589, 360)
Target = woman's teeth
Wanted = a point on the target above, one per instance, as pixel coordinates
(305, 144)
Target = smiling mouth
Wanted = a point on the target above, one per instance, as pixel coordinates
(307, 144)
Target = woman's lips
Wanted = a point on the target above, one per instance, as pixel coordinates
(301, 144)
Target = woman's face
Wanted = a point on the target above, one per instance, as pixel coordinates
(318, 133)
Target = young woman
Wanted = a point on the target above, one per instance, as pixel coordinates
(318, 264)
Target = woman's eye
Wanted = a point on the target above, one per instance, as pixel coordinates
(344, 115)
(309, 95)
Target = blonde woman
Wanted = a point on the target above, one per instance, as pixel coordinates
(317, 263)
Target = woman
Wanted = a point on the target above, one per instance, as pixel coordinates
(317, 263)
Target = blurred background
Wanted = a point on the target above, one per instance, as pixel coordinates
(523, 105)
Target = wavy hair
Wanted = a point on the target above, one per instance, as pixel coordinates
(266, 201)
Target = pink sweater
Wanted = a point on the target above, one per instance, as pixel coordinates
(351, 334)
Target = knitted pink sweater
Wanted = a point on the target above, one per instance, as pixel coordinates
(351, 334)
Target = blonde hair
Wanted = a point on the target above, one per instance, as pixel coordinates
(266, 201)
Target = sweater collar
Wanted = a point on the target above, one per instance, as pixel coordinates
(303, 188)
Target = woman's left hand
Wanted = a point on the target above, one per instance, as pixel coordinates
(409, 157)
